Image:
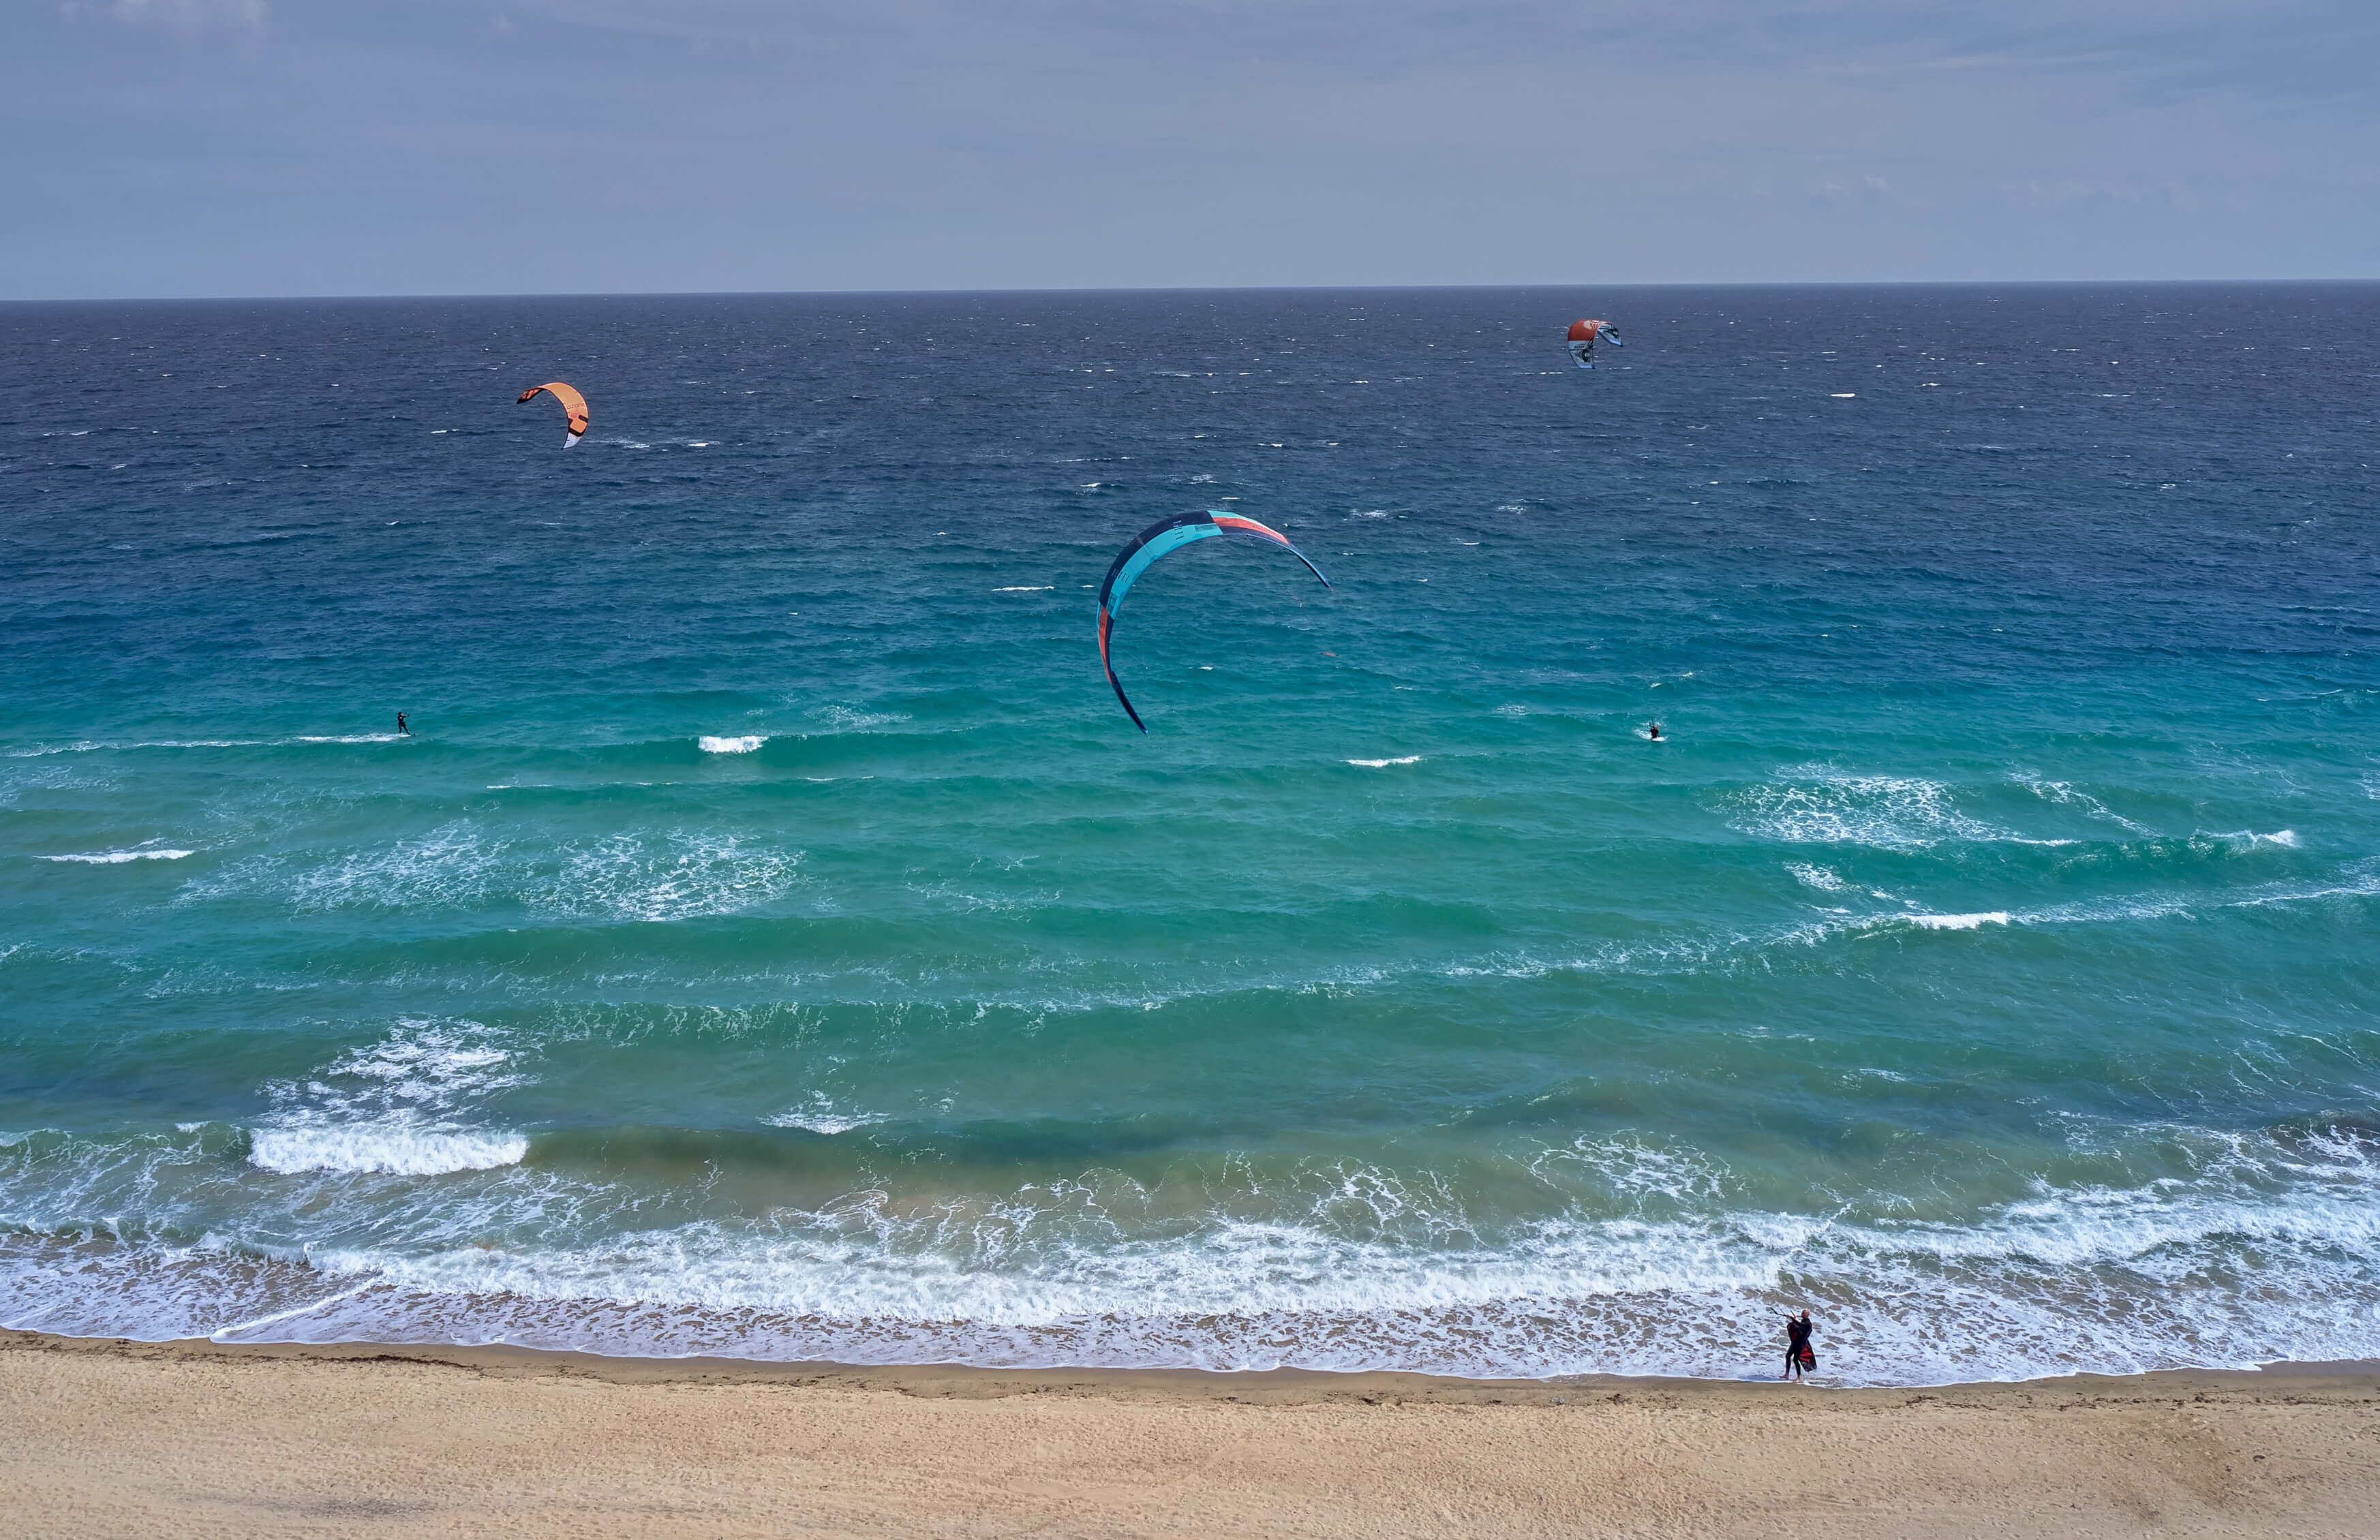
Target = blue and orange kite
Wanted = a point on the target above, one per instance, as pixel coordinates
(1172, 534)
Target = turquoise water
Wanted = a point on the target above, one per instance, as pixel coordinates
(773, 939)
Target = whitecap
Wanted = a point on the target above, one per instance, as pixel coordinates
(745, 745)
(1044, 587)
(2284, 839)
(1955, 922)
(1383, 764)
(117, 858)
(398, 1150)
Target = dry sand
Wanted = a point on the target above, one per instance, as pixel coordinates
(193, 1440)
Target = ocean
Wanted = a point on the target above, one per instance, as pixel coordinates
(774, 939)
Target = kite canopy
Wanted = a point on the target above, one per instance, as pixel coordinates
(1585, 335)
(1165, 535)
(572, 402)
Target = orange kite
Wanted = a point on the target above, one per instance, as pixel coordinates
(572, 402)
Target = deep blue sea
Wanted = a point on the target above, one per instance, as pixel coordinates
(774, 939)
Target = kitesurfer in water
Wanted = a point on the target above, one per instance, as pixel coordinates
(1653, 731)
(401, 727)
(1797, 1356)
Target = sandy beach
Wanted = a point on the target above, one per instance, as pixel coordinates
(192, 1438)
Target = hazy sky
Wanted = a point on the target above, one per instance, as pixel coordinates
(250, 147)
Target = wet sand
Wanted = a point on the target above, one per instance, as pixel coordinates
(102, 1438)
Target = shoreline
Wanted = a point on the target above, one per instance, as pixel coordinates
(102, 1436)
(1283, 1387)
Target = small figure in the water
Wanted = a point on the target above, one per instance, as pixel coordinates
(1653, 731)
(401, 727)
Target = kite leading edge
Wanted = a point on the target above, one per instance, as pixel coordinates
(1167, 535)
(572, 402)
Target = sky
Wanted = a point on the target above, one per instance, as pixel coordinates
(175, 148)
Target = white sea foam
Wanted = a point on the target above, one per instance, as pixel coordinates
(820, 1116)
(1359, 1267)
(399, 1151)
(1383, 764)
(1816, 876)
(684, 875)
(745, 745)
(2061, 792)
(1044, 587)
(2284, 839)
(1820, 804)
(88, 747)
(1955, 922)
(117, 858)
(846, 719)
(401, 1106)
(1650, 1257)
(671, 875)
(355, 738)
(453, 865)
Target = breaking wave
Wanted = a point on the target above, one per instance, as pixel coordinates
(118, 857)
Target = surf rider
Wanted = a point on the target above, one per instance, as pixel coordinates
(1798, 1356)
(401, 727)
(1653, 731)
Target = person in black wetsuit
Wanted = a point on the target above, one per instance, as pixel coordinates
(1653, 731)
(401, 727)
(1797, 1344)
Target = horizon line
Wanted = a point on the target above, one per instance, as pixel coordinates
(1190, 289)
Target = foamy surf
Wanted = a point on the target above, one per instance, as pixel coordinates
(399, 1107)
(2280, 839)
(743, 745)
(117, 858)
(1351, 1266)
(1821, 805)
(1383, 764)
(1955, 922)
(394, 1149)
(820, 1116)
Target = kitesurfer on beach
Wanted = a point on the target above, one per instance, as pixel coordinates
(1797, 1356)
